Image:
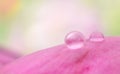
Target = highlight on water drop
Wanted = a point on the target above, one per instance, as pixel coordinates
(74, 40)
(96, 37)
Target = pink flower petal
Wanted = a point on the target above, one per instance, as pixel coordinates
(93, 58)
(7, 56)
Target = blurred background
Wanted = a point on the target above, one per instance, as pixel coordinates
(31, 25)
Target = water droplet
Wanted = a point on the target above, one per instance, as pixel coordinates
(96, 37)
(74, 40)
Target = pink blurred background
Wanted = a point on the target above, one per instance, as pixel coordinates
(31, 25)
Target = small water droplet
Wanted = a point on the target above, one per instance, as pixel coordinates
(74, 40)
(96, 37)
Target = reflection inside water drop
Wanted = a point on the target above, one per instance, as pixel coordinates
(96, 37)
(74, 40)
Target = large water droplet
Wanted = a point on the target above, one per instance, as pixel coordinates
(96, 37)
(74, 40)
